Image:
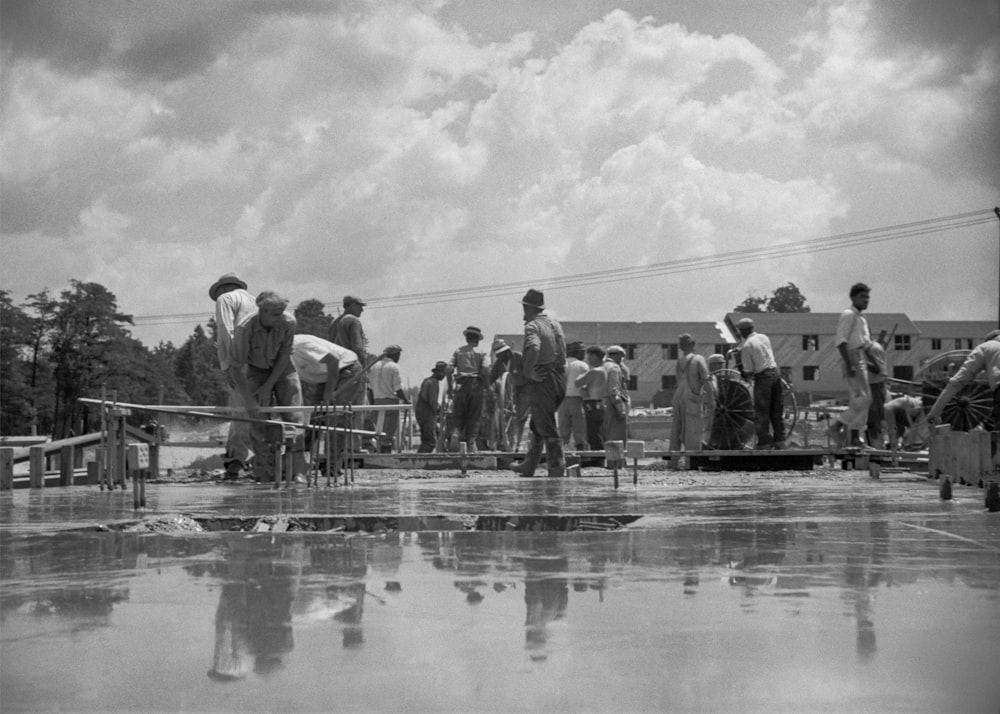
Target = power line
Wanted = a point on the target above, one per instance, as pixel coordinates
(715, 260)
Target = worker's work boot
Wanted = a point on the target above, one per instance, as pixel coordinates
(526, 468)
(554, 459)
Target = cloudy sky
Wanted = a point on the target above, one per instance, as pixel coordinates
(399, 151)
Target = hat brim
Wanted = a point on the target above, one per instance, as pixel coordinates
(214, 290)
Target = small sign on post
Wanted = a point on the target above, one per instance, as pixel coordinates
(635, 450)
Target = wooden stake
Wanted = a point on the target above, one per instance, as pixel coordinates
(6, 468)
(36, 466)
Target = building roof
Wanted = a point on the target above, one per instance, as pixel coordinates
(975, 329)
(822, 323)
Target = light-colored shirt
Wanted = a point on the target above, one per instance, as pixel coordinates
(232, 309)
(615, 386)
(593, 384)
(575, 368)
(310, 356)
(876, 357)
(756, 354)
(984, 358)
(544, 347)
(471, 361)
(384, 379)
(262, 347)
(852, 330)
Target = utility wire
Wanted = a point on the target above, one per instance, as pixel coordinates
(717, 260)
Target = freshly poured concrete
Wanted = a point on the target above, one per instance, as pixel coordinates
(736, 592)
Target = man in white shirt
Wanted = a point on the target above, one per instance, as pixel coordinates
(757, 362)
(387, 388)
(233, 307)
(853, 341)
(570, 417)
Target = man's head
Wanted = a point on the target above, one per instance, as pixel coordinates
(393, 352)
(744, 326)
(716, 362)
(992, 335)
(617, 353)
(270, 307)
(595, 355)
(575, 349)
(354, 305)
(473, 335)
(686, 343)
(439, 370)
(533, 303)
(860, 295)
(224, 284)
(501, 351)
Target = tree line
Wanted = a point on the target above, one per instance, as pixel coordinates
(56, 349)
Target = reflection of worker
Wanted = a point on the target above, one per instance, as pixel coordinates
(688, 426)
(984, 358)
(571, 418)
(757, 362)
(852, 341)
(902, 414)
(546, 595)
(593, 386)
(471, 370)
(233, 307)
(427, 406)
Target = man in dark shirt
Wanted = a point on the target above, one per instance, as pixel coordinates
(427, 406)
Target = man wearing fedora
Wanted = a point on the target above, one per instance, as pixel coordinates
(545, 372)
(427, 407)
(233, 307)
(471, 370)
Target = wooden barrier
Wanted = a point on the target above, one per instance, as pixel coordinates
(963, 456)
(6, 468)
(36, 467)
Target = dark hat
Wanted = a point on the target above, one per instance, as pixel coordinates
(744, 323)
(351, 300)
(576, 346)
(859, 288)
(474, 331)
(440, 367)
(393, 350)
(534, 298)
(500, 346)
(716, 359)
(227, 279)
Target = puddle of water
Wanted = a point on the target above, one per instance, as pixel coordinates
(853, 612)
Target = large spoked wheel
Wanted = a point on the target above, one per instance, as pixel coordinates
(444, 422)
(789, 409)
(733, 418)
(506, 427)
(971, 407)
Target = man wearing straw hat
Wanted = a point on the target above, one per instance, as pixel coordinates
(233, 307)
(544, 370)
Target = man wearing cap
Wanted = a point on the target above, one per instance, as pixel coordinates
(616, 402)
(853, 341)
(757, 363)
(233, 307)
(263, 348)
(347, 331)
(387, 388)
(470, 367)
(688, 426)
(544, 370)
(510, 362)
(984, 358)
(428, 405)
(593, 386)
(571, 419)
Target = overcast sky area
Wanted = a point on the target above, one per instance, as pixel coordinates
(385, 149)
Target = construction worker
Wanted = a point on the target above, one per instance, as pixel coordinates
(757, 363)
(616, 401)
(471, 370)
(387, 388)
(984, 358)
(593, 386)
(571, 419)
(853, 341)
(427, 406)
(688, 426)
(511, 362)
(544, 369)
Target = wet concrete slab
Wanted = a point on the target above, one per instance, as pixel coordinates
(741, 592)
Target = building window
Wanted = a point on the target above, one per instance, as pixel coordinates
(810, 343)
(629, 351)
(903, 371)
(721, 349)
(668, 381)
(901, 342)
(633, 383)
(810, 374)
(968, 343)
(963, 343)
(935, 343)
(669, 352)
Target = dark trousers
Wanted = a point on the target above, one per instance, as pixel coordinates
(768, 407)
(467, 409)
(876, 414)
(593, 411)
(427, 421)
(543, 400)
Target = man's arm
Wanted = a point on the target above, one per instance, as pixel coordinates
(532, 346)
(332, 374)
(973, 365)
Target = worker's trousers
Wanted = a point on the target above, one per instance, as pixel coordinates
(856, 414)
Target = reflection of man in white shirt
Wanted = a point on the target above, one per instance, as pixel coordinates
(853, 339)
